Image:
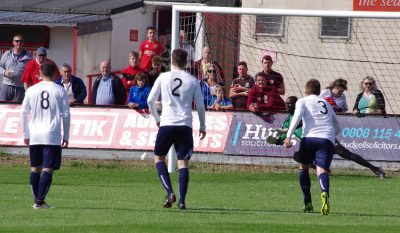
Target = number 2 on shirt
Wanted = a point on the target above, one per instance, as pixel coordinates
(179, 81)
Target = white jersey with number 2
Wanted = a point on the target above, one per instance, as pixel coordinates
(319, 118)
(48, 104)
(177, 89)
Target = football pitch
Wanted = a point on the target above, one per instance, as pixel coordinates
(126, 196)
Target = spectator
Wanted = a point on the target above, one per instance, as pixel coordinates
(272, 76)
(241, 86)
(31, 74)
(74, 86)
(188, 48)
(139, 92)
(208, 85)
(166, 51)
(129, 73)
(12, 66)
(334, 95)
(148, 49)
(370, 100)
(200, 69)
(108, 88)
(219, 101)
(156, 69)
(263, 98)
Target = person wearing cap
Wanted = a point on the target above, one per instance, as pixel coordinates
(31, 75)
(274, 78)
(12, 65)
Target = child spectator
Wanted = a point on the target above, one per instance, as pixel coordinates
(129, 73)
(139, 92)
(149, 48)
(156, 69)
(219, 101)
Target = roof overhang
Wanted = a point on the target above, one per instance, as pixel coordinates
(62, 13)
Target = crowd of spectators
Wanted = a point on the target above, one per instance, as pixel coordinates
(261, 94)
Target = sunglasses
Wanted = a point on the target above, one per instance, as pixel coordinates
(19, 41)
(368, 84)
(212, 71)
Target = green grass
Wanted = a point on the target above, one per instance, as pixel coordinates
(113, 197)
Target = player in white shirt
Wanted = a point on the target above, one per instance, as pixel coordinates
(47, 103)
(177, 90)
(320, 127)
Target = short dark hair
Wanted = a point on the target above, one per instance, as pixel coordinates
(267, 58)
(291, 99)
(156, 60)
(150, 28)
(242, 63)
(48, 69)
(179, 58)
(313, 87)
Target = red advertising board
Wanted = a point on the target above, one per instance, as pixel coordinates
(376, 5)
(117, 129)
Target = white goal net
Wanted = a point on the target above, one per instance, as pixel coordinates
(304, 44)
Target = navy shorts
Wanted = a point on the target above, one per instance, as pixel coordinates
(180, 136)
(45, 156)
(318, 149)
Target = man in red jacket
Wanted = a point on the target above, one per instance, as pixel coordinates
(31, 74)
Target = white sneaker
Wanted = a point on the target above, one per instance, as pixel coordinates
(42, 206)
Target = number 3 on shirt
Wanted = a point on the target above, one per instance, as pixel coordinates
(179, 81)
(324, 106)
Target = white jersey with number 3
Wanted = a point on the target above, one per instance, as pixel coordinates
(48, 104)
(177, 89)
(318, 117)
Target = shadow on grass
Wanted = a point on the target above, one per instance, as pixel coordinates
(227, 211)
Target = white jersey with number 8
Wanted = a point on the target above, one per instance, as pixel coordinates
(48, 104)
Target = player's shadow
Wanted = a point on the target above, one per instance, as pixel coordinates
(251, 212)
(235, 211)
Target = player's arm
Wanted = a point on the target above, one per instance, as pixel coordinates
(198, 98)
(26, 109)
(66, 116)
(298, 113)
(152, 98)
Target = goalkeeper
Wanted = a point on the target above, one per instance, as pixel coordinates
(340, 150)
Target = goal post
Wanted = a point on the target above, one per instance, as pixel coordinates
(304, 44)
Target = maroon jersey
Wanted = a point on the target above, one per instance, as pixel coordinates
(274, 78)
(240, 101)
(266, 98)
